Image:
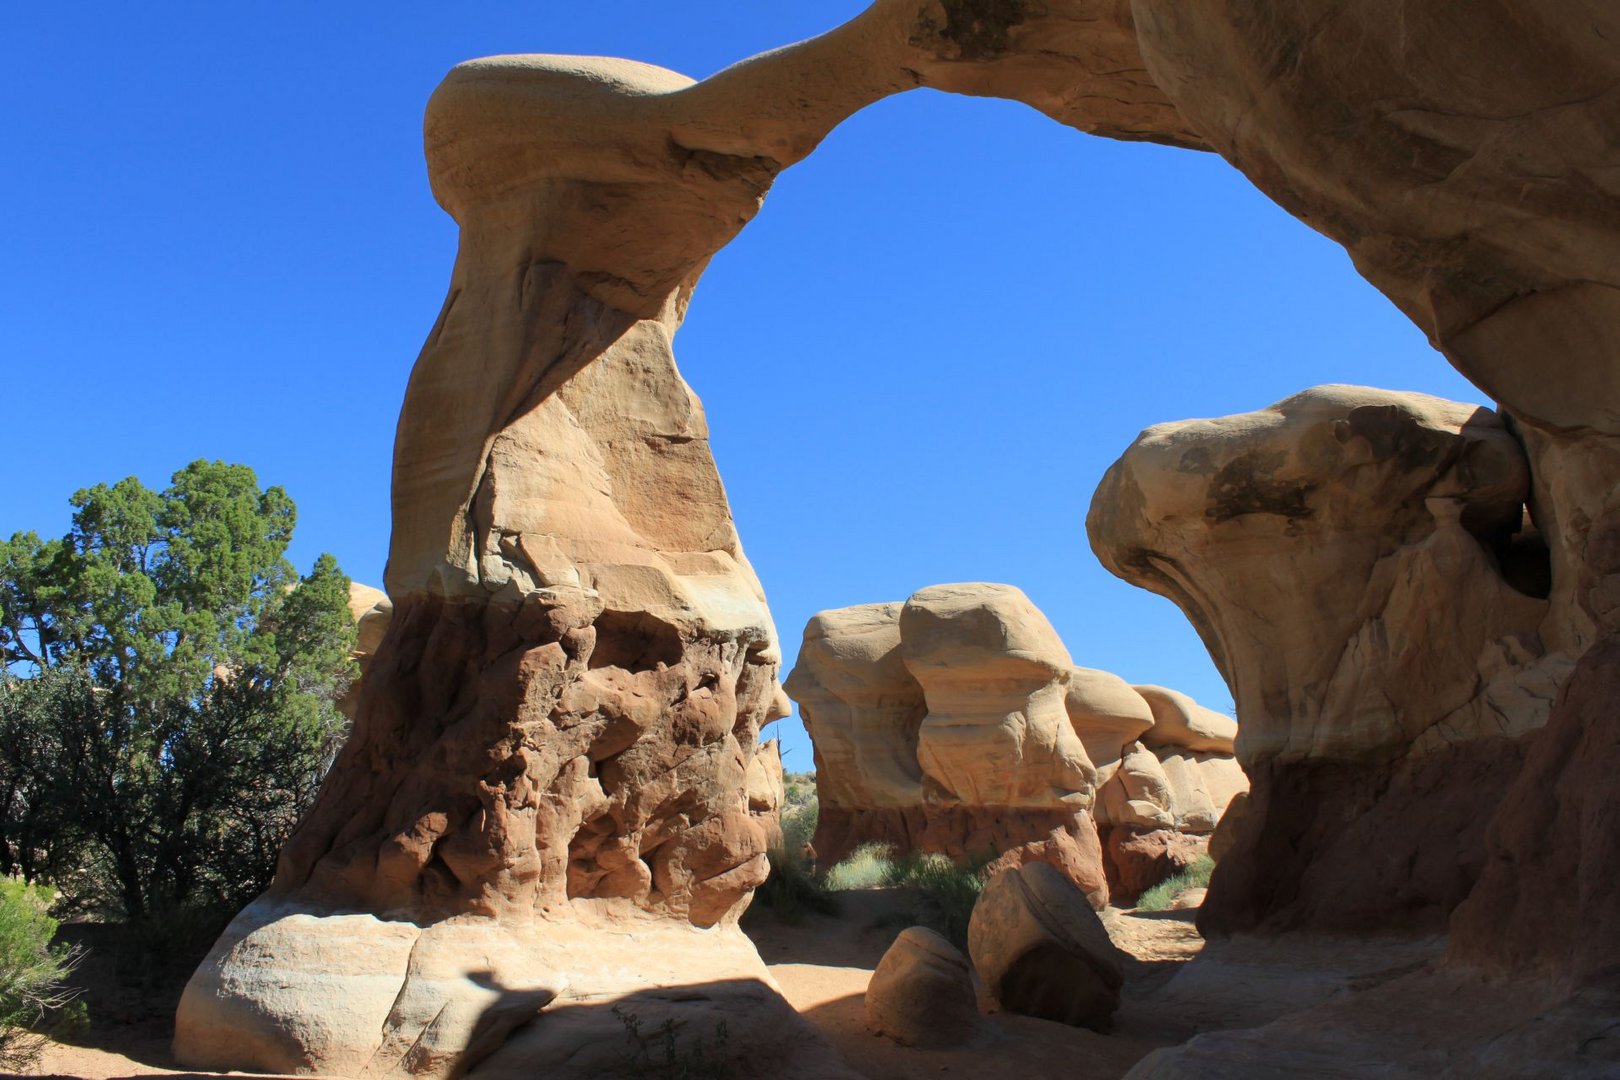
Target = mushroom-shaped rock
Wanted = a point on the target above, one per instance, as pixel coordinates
(1108, 715)
(922, 992)
(1042, 951)
(995, 675)
(861, 708)
(1339, 553)
(371, 610)
(1179, 721)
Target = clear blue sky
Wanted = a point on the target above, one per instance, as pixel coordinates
(917, 362)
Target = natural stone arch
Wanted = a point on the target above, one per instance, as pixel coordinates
(504, 798)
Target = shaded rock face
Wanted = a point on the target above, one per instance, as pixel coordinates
(1042, 951)
(957, 723)
(1341, 554)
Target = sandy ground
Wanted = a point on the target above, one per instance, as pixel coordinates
(1175, 988)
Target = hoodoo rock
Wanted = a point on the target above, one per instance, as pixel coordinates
(372, 611)
(1042, 951)
(957, 723)
(1341, 553)
(922, 992)
(863, 710)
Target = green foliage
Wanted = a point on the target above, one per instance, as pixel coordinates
(943, 890)
(167, 692)
(33, 994)
(661, 1053)
(799, 789)
(867, 867)
(946, 891)
(793, 889)
(799, 823)
(1162, 895)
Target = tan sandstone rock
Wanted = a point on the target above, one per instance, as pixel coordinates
(372, 611)
(1455, 151)
(922, 992)
(767, 792)
(1338, 553)
(561, 720)
(994, 673)
(1042, 951)
(956, 723)
(1179, 721)
(862, 709)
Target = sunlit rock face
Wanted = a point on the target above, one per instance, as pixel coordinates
(957, 723)
(557, 740)
(1342, 553)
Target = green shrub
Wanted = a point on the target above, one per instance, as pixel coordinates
(793, 890)
(946, 890)
(799, 824)
(168, 693)
(1160, 897)
(33, 993)
(865, 868)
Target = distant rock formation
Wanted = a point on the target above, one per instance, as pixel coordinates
(1346, 555)
(372, 611)
(957, 723)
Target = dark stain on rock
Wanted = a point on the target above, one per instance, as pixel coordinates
(978, 29)
(1392, 433)
(1247, 485)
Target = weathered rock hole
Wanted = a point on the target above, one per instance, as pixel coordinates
(635, 641)
(1526, 564)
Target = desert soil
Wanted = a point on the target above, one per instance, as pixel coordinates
(823, 964)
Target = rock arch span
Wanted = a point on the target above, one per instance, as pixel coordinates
(528, 813)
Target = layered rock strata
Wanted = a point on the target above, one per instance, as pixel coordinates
(957, 723)
(1463, 154)
(553, 741)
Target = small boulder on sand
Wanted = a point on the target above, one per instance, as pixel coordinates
(922, 992)
(1042, 951)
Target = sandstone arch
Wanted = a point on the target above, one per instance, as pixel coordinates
(506, 810)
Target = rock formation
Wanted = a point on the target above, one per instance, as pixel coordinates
(922, 992)
(545, 798)
(556, 733)
(1339, 554)
(863, 710)
(957, 723)
(1042, 951)
(1480, 206)
(766, 792)
(372, 611)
